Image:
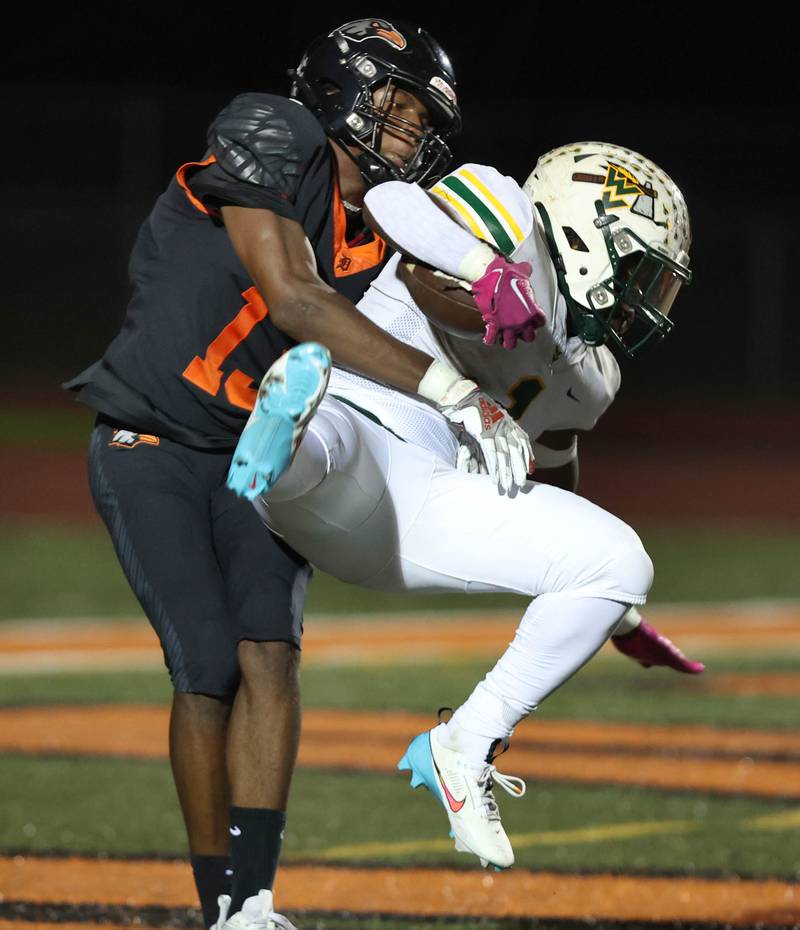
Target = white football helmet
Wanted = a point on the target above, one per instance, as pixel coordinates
(618, 232)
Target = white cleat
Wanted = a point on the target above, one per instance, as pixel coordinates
(466, 790)
(256, 914)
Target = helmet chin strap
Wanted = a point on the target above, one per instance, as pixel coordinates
(591, 330)
(584, 324)
(372, 171)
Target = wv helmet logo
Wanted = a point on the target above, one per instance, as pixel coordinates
(621, 184)
(361, 29)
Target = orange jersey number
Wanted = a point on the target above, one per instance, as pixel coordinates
(206, 372)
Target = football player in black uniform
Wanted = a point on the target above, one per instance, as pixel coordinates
(255, 247)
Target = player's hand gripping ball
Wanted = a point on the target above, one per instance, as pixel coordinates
(500, 306)
(505, 299)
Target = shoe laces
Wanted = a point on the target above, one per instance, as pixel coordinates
(488, 778)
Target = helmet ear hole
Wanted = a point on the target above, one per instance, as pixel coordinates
(575, 242)
(329, 88)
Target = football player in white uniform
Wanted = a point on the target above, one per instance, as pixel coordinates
(373, 494)
(563, 382)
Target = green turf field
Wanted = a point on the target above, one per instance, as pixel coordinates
(610, 689)
(72, 804)
(53, 570)
(85, 805)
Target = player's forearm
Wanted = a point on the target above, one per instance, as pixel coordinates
(321, 315)
(281, 264)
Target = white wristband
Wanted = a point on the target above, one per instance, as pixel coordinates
(474, 264)
(555, 458)
(443, 385)
(630, 620)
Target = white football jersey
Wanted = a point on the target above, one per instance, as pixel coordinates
(552, 383)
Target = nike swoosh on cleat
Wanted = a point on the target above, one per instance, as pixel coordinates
(455, 806)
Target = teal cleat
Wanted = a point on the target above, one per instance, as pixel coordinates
(419, 761)
(289, 394)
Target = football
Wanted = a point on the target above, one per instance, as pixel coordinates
(443, 300)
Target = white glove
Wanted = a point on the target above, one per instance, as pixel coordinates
(505, 446)
(470, 458)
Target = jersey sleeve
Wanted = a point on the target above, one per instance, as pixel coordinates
(492, 206)
(581, 392)
(261, 147)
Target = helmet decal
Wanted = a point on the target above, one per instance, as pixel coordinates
(444, 87)
(645, 205)
(619, 184)
(361, 29)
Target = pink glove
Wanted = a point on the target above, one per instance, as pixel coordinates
(505, 299)
(649, 647)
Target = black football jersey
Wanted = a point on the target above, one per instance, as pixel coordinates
(197, 337)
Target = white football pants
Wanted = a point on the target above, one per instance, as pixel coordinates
(363, 505)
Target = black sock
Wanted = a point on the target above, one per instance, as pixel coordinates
(256, 834)
(212, 875)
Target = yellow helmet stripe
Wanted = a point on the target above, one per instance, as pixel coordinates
(509, 219)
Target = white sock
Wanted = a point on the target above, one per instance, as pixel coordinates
(558, 634)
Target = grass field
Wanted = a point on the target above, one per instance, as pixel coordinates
(620, 830)
(48, 569)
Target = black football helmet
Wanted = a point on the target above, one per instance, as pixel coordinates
(340, 72)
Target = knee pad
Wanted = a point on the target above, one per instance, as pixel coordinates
(355, 483)
(613, 566)
(629, 571)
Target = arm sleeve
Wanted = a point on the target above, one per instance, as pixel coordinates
(594, 379)
(411, 219)
(471, 205)
(492, 206)
(263, 147)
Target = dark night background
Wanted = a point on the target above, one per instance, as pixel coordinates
(100, 109)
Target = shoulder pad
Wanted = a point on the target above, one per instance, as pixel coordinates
(265, 140)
